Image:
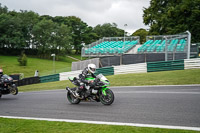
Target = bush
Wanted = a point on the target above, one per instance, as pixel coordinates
(22, 60)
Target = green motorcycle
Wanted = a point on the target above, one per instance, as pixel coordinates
(97, 91)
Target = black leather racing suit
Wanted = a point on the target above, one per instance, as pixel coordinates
(85, 74)
(82, 77)
(1, 82)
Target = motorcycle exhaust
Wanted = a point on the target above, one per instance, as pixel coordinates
(68, 89)
(72, 92)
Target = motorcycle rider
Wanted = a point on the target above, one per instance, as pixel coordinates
(1, 74)
(87, 72)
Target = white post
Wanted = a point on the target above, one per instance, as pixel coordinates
(54, 71)
(166, 54)
(189, 43)
(124, 36)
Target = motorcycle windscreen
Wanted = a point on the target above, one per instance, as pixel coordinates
(101, 77)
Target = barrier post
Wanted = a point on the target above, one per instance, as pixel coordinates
(189, 42)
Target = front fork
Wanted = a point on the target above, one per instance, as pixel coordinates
(103, 90)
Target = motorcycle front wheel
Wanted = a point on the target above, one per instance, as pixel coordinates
(72, 99)
(107, 99)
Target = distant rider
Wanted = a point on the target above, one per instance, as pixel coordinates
(1, 74)
(86, 73)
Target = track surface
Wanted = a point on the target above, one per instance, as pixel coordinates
(161, 105)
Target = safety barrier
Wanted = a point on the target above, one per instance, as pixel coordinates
(123, 69)
(15, 76)
(65, 75)
(192, 63)
(50, 78)
(105, 71)
(27, 81)
(134, 68)
(165, 65)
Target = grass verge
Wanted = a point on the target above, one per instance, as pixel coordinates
(46, 86)
(36, 126)
(10, 66)
(178, 77)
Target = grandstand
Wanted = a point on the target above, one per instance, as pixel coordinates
(171, 45)
(128, 50)
(157, 44)
(110, 46)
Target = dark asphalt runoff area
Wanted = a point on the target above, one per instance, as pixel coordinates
(159, 105)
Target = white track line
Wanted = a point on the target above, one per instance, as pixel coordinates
(188, 85)
(107, 123)
(154, 92)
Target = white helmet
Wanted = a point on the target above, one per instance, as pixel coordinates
(92, 68)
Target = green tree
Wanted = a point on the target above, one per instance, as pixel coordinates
(3, 9)
(108, 30)
(142, 33)
(78, 30)
(16, 29)
(11, 34)
(4, 18)
(28, 20)
(173, 16)
(63, 39)
(89, 36)
(22, 59)
(44, 32)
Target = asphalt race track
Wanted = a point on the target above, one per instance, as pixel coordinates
(162, 105)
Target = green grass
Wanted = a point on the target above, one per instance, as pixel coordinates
(78, 57)
(36, 126)
(178, 77)
(66, 59)
(11, 66)
(46, 86)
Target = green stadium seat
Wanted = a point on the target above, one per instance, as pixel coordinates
(111, 47)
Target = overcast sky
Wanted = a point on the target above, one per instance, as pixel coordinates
(92, 12)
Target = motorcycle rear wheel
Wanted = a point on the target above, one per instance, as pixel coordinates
(108, 99)
(72, 99)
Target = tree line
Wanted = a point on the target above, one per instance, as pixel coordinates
(47, 34)
(62, 34)
(165, 17)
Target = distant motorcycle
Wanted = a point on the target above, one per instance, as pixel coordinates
(7, 86)
(98, 91)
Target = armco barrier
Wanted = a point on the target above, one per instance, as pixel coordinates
(192, 63)
(28, 81)
(105, 71)
(49, 78)
(133, 68)
(65, 75)
(123, 69)
(165, 66)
